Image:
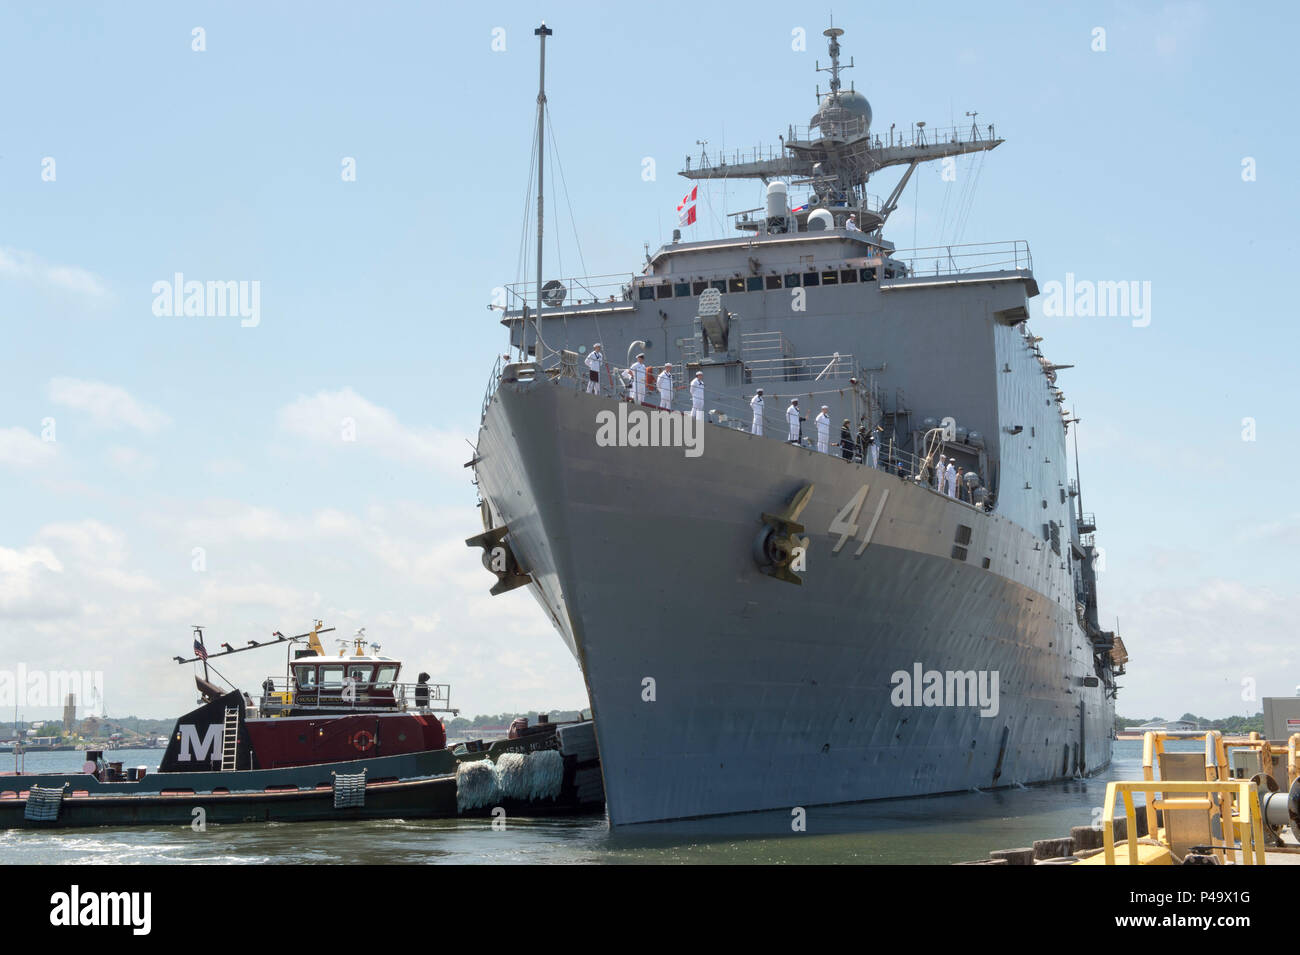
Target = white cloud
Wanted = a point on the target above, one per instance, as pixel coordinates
(20, 448)
(108, 405)
(25, 266)
(344, 419)
(1191, 646)
(130, 461)
(29, 585)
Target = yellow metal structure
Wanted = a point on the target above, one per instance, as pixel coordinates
(1246, 825)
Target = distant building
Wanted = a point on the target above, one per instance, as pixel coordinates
(1282, 716)
(70, 713)
(1166, 726)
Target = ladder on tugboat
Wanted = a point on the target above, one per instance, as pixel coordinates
(230, 740)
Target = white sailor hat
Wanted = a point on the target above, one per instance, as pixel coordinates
(668, 364)
(826, 407)
(699, 374)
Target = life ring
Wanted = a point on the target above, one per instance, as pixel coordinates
(362, 740)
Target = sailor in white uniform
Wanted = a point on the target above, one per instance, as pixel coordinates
(665, 385)
(823, 422)
(756, 403)
(950, 475)
(697, 396)
(594, 359)
(792, 419)
(638, 380)
(938, 473)
(852, 224)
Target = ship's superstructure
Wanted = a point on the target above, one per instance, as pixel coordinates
(763, 624)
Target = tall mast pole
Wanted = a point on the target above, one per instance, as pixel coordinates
(1078, 481)
(543, 32)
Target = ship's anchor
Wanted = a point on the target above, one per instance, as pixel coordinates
(778, 550)
(500, 559)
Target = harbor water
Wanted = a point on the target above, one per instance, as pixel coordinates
(938, 829)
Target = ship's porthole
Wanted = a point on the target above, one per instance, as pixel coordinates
(401, 737)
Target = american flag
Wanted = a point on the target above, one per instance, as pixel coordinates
(686, 208)
(199, 650)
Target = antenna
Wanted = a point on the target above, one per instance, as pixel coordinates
(834, 34)
(1078, 481)
(541, 32)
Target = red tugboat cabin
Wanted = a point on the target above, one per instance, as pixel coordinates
(348, 706)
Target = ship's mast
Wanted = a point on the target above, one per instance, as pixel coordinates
(834, 33)
(542, 32)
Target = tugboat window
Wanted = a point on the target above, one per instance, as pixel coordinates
(360, 674)
(386, 675)
(306, 676)
(331, 676)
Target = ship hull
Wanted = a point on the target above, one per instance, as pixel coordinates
(716, 688)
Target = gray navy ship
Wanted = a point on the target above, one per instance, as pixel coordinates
(765, 619)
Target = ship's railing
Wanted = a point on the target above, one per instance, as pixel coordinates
(917, 135)
(1009, 255)
(279, 692)
(493, 381)
(800, 368)
(736, 413)
(868, 202)
(578, 290)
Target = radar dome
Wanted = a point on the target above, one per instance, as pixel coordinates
(847, 114)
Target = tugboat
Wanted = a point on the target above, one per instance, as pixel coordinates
(338, 737)
(324, 709)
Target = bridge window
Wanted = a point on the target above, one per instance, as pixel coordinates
(810, 278)
(754, 283)
(663, 291)
(736, 285)
(719, 284)
(682, 289)
(868, 275)
(830, 278)
(848, 276)
(646, 293)
(792, 281)
(773, 282)
(697, 288)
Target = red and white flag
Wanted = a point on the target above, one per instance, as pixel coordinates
(686, 208)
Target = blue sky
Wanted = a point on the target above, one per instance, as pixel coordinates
(175, 433)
